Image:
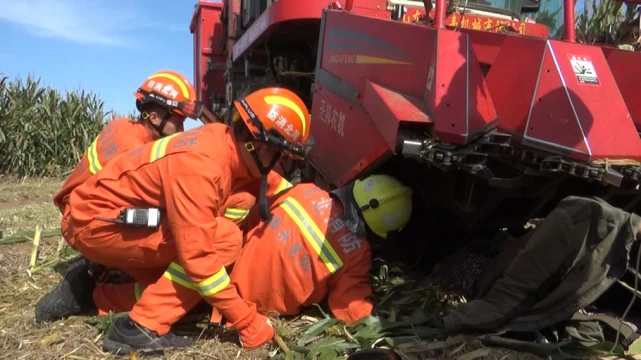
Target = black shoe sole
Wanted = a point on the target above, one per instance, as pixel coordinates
(113, 347)
(117, 348)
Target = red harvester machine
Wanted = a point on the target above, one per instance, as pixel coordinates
(486, 118)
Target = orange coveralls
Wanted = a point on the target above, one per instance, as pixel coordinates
(118, 136)
(122, 297)
(188, 176)
(304, 254)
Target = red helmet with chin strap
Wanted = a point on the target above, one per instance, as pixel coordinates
(172, 91)
(279, 116)
(276, 116)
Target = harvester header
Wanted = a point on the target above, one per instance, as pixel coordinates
(470, 102)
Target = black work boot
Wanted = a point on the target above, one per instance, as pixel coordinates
(73, 295)
(126, 335)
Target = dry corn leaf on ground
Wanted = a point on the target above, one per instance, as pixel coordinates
(403, 304)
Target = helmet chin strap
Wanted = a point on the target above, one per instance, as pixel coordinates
(263, 205)
(159, 128)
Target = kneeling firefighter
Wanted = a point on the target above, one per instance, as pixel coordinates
(174, 189)
(315, 246)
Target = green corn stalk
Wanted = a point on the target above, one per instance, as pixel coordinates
(607, 22)
(44, 132)
(597, 22)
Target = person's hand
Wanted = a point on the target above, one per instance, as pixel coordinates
(257, 333)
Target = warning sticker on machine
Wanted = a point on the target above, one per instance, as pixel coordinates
(584, 70)
(430, 79)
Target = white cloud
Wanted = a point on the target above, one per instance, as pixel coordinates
(110, 23)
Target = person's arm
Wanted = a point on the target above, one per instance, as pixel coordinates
(237, 207)
(276, 184)
(350, 290)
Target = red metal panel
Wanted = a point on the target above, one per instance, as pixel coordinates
(509, 73)
(383, 66)
(337, 127)
(207, 33)
(372, 8)
(486, 44)
(553, 100)
(455, 92)
(604, 117)
(625, 66)
(391, 108)
(553, 118)
(389, 53)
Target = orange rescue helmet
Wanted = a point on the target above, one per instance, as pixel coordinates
(172, 91)
(278, 116)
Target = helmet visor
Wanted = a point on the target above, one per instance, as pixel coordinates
(192, 109)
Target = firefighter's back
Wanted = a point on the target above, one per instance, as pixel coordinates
(290, 262)
(118, 136)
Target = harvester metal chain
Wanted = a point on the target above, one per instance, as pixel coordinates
(605, 173)
(471, 158)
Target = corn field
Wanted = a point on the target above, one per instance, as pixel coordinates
(608, 22)
(42, 131)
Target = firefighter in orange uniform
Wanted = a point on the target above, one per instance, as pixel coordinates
(157, 119)
(186, 178)
(122, 297)
(315, 246)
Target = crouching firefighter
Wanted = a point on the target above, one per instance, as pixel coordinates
(173, 189)
(121, 297)
(165, 99)
(160, 115)
(315, 247)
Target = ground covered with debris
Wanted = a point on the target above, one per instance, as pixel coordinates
(404, 302)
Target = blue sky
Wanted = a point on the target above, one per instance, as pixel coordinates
(105, 46)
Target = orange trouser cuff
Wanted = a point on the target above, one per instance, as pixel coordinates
(122, 297)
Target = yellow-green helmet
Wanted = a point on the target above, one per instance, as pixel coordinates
(384, 202)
